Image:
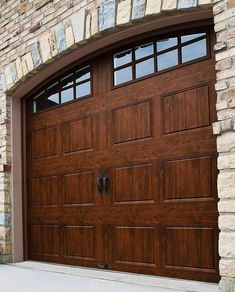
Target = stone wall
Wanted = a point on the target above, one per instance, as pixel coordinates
(34, 33)
(224, 18)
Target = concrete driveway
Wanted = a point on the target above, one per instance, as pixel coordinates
(33, 277)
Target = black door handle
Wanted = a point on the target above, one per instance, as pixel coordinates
(99, 184)
(105, 184)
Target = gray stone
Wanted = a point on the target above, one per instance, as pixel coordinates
(3, 82)
(36, 55)
(60, 37)
(107, 13)
(5, 219)
(227, 284)
(78, 25)
(138, 9)
(14, 73)
(182, 4)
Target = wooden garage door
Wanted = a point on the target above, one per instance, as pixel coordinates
(121, 164)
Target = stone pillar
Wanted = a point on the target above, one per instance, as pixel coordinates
(224, 18)
(5, 196)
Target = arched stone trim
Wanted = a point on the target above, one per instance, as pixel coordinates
(84, 25)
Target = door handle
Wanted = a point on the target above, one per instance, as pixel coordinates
(105, 184)
(99, 184)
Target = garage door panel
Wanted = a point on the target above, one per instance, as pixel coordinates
(190, 247)
(79, 135)
(132, 122)
(134, 245)
(44, 143)
(186, 110)
(79, 189)
(189, 178)
(44, 192)
(45, 240)
(80, 242)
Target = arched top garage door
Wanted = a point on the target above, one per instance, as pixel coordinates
(121, 161)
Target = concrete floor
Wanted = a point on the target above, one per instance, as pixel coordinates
(39, 277)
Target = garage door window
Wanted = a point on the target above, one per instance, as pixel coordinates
(70, 87)
(159, 55)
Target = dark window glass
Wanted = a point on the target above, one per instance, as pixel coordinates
(190, 37)
(194, 51)
(67, 81)
(83, 89)
(145, 68)
(53, 100)
(143, 51)
(39, 105)
(167, 60)
(166, 44)
(123, 75)
(83, 74)
(67, 95)
(122, 58)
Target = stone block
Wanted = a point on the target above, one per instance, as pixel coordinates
(88, 26)
(216, 128)
(221, 105)
(230, 4)
(226, 114)
(94, 22)
(185, 4)
(226, 185)
(40, 3)
(5, 219)
(14, 73)
(227, 206)
(45, 47)
(227, 222)
(123, 12)
(3, 82)
(69, 35)
(59, 31)
(226, 161)
(153, 7)
(36, 55)
(227, 285)
(169, 5)
(107, 15)
(226, 243)
(205, 3)
(138, 9)
(221, 85)
(223, 64)
(27, 63)
(78, 25)
(8, 76)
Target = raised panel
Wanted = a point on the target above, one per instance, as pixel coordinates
(133, 184)
(78, 135)
(80, 242)
(134, 245)
(45, 240)
(79, 188)
(44, 192)
(189, 247)
(44, 143)
(186, 110)
(132, 122)
(189, 178)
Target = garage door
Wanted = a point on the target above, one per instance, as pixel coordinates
(121, 163)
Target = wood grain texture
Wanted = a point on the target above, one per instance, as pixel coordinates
(153, 139)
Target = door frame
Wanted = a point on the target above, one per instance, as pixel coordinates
(87, 51)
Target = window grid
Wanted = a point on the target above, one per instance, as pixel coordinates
(202, 35)
(44, 99)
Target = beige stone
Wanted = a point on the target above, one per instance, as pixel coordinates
(153, 7)
(8, 76)
(227, 268)
(45, 47)
(19, 68)
(226, 222)
(27, 63)
(69, 36)
(226, 242)
(168, 5)
(227, 206)
(204, 3)
(226, 185)
(94, 22)
(123, 12)
(226, 161)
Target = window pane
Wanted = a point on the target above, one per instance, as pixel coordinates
(39, 105)
(83, 89)
(143, 51)
(52, 100)
(194, 51)
(122, 58)
(123, 75)
(167, 60)
(166, 44)
(67, 95)
(83, 74)
(189, 37)
(67, 80)
(145, 68)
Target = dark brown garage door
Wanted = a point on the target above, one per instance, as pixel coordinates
(121, 165)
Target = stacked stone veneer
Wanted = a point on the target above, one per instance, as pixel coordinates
(34, 33)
